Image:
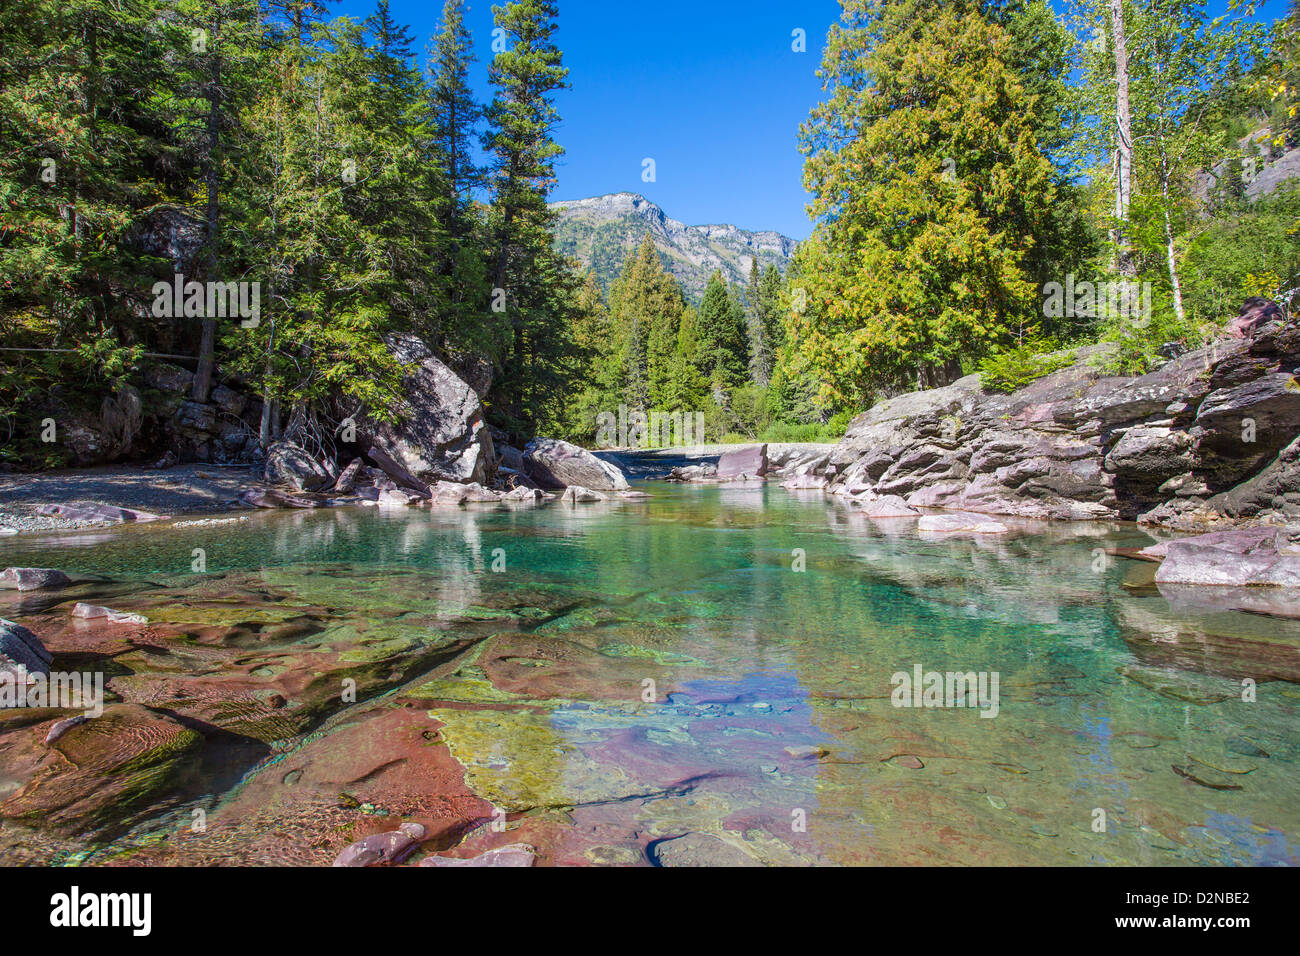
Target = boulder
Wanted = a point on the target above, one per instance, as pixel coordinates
(558, 464)
(747, 462)
(1242, 557)
(397, 471)
(440, 433)
(391, 847)
(576, 494)
(290, 464)
(21, 651)
(33, 579)
(347, 479)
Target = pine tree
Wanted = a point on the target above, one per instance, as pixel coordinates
(721, 329)
(530, 279)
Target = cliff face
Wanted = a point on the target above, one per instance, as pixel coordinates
(600, 232)
(1209, 439)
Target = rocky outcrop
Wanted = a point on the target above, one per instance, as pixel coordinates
(557, 464)
(440, 434)
(1207, 439)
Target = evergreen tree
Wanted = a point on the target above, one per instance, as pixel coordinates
(530, 279)
(929, 188)
(723, 355)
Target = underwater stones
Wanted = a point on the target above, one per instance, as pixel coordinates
(576, 494)
(21, 651)
(700, 849)
(884, 506)
(97, 774)
(94, 611)
(516, 854)
(906, 761)
(961, 523)
(33, 579)
(806, 752)
(61, 727)
(391, 847)
(748, 462)
(558, 464)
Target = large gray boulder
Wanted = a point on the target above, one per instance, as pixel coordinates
(440, 434)
(557, 464)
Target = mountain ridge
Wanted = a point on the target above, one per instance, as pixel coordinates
(601, 231)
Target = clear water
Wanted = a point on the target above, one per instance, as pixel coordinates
(1121, 735)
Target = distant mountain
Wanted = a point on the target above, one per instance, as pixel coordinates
(601, 232)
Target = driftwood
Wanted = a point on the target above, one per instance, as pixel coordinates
(271, 498)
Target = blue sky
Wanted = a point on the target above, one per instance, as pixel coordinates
(709, 89)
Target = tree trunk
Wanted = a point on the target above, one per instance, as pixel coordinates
(1174, 284)
(1123, 143)
(202, 387)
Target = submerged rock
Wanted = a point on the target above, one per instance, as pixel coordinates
(701, 849)
(961, 523)
(33, 579)
(1246, 557)
(516, 854)
(391, 847)
(93, 611)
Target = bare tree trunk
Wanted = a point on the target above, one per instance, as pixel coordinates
(202, 387)
(1123, 142)
(1174, 284)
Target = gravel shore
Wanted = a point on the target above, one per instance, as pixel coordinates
(181, 490)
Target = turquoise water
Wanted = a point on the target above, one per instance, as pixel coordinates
(609, 676)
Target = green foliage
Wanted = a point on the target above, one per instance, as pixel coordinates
(1013, 368)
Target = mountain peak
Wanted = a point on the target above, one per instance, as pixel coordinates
(601, 231)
